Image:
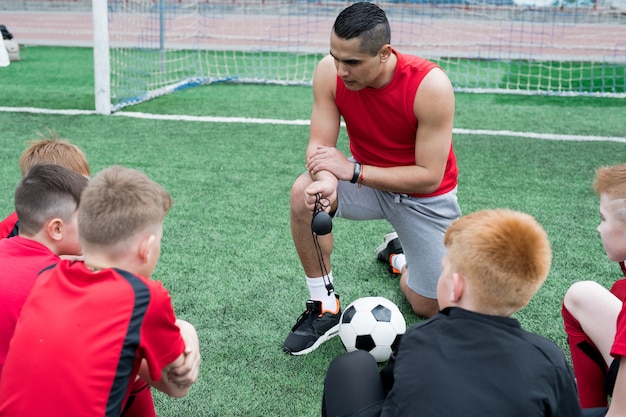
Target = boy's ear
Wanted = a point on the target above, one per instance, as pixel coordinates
(458, 287)
(146, 247)
(54, 228)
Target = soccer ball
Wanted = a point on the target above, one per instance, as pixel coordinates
(374, 324)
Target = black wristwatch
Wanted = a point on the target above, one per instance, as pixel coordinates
(357, 172)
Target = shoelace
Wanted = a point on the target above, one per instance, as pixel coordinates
(311, 309)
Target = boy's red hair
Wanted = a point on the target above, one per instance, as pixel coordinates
(504, 254)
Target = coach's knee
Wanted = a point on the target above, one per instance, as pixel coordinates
(296, 199)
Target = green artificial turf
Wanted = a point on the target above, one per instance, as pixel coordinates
(227, 255)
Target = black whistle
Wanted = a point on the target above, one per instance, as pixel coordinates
(322, 223)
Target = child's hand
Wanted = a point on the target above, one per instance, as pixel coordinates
(72, 258)
(187, 374)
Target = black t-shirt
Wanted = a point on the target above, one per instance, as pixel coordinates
(463, 364)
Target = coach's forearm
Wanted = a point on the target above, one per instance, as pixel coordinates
(405, 180)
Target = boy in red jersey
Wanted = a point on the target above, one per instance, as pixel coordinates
(594, 317)
(50, 149)
(105, 321)
(471, 359)
(398, 110)
(46, 200)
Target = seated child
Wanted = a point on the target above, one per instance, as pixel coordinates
(471, 358)
(50, 149)
(46, 201)
(594, 317)
(105, 320)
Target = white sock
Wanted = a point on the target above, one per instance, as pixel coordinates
(318, 291)
(398, 261)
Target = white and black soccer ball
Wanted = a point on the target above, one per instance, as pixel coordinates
(374, 324)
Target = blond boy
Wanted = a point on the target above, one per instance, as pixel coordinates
(106, 321)
(49, 149)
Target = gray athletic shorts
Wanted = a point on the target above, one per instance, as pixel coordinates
(419, 222)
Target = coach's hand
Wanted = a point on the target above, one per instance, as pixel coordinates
(325, 188)
(328, 158)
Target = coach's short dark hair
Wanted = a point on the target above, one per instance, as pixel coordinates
(366, 21)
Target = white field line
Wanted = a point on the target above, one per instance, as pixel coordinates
(214, 119)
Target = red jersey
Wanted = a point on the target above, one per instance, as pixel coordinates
(381, 122)
(8, 226)
(80, 340)
(619, 344)
(21, 261)
(619, 290)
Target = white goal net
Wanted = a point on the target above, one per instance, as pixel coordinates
(145, 48)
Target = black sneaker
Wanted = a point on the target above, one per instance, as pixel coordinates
(313, 328)
(390, 246)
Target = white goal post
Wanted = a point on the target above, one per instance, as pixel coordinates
(145, 48)
(101, 63)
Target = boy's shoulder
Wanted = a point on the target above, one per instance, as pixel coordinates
(473, 324)
(30, 250)
(457, 316)
(8, 226)
(545, 345)
(114, 291)
(115, 279)
(81, 269)
(456, 324)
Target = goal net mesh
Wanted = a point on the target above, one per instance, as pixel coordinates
(559, 47)
(495, 45)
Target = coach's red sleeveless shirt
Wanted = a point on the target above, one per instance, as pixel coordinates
(381, 123)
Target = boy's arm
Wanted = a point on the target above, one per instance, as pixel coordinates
(180, 375)
(567, 403)
(187, 373)
(165, 384)
(163, 337)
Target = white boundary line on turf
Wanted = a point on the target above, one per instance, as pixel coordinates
(214, 119)
(544, 136)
